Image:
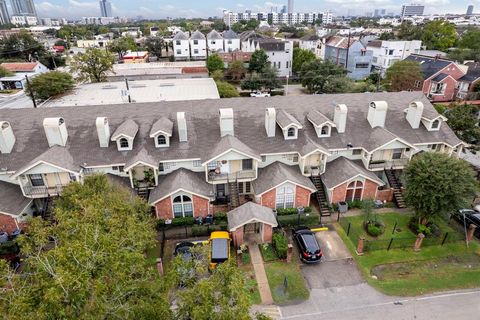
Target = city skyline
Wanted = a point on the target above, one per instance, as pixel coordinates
(190, 9)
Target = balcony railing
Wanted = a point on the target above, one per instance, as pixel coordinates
(388, 164)
(230, 177)
(43, 191)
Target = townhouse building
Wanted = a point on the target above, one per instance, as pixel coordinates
(313, 43)
(215, 42)
(231, 41)
(440, 77)
(198, 158)
(350, 54)
(469, 84)
(196, 46)
(181, 46)
(386, 53)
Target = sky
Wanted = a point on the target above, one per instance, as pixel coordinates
(208, 8)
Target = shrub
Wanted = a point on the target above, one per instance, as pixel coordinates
(280, 243)
(220, 216)
(50, 84)
(185, 221)
(355, 204)
(289, 211)
(373, 230)
(292, 219)
(427, 230)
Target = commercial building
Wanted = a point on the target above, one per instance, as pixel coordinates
(137, 91)
(24, 20)
(198, 158)
(409, 10)
(23, 8)
(4, 16)
(230, 18)
(470, 10)
(158, 71)
(105, 8)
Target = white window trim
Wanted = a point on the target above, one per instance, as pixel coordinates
(167, 141)
(285, 185)
(130, 144)
(354, 189)
(285, 133)
(182, 203)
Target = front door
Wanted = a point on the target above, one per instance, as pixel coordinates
(252, 228)
(221, 190)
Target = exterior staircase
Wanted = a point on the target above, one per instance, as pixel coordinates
(234, 195)
(47, 213)
(395, 183)
(143, 193)
(321, 197)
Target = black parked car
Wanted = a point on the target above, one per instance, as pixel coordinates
(310, 251)
(471, 216)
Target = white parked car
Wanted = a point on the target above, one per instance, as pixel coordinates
(259, 94)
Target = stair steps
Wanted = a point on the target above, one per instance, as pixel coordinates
(320, 195)
(234, 195)
(396, 184)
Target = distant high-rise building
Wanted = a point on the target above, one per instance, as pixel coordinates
(290, 6)
(105, 8)
(4, 16)
(409, 10)
(23, 8)
(379, 12)
(470, 10)
(284, 9)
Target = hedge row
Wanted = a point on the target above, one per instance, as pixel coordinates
(292, 220)
(198, 231)
(289, 211)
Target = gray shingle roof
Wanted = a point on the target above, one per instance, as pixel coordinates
(473, 73)
(180, 36)
(203, 127)
(439, 77)
(128, 128)
(317, 117)
(230, 34)
(57, 156)
(276, 174)
(285, 119)
(342, 169)
(250, 212)
(214, 35)
(193, 182)
(429, 65)
(12, 200)
(230, 142)
(164, 125)
(142, 156)
(197, 35)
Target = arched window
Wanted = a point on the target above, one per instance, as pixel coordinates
(182, 206)
(436, 124)
(291, 132)
(354, 191)
(285, 197)
(161, 140)
(124, 143)
(325, 130)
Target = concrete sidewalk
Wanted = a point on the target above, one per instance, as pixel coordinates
(260, 274)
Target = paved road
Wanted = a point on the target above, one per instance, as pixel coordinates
(338, 292)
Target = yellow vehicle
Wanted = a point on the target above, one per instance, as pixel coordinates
(219, 248)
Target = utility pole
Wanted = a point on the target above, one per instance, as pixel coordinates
(348, 50)
(128, 91)
(286, 90)
(31, 92)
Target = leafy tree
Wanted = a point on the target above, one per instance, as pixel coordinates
(155, 46)
(89, 264)
(93, 65)
(269, 78)
(300, 56)
(226, 90)
(321, 76)
(21, 45)
(236, 71)
(217, 75)
(439, 35)
(52, 60)
(387, 36)
(252, 82)
(258, 61)
(470, 39)
(214, 63)
(122, 45)
(409, 31)
(5, 73)
(50, 84)
(402, 75)
(462, 119)
(462, 54)
(431, 188)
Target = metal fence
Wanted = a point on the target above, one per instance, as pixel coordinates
(393, 242)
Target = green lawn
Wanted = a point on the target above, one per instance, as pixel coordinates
(251, 284)
(403, 272)
(296, 290)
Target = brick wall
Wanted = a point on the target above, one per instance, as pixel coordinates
(450, 91)
(369, 191)
(200, 206)
(267, 233)
(237, 237)
(268, 199)
(385, 195)
(302, 197)
(164, 209)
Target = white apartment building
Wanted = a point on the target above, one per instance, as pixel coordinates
(409, 10)
(24, 20)
(314, 44)
(181, 46)
(231, 18)
(231, 41)
(386, 53)
(198, 46)
(215, 41)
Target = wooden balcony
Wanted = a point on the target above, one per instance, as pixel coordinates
(388, 164)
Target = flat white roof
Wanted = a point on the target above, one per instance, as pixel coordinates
(131, 69)
(140, 91)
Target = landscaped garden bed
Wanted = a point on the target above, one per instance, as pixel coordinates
(286, 282)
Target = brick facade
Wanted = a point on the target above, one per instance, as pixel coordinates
(267, 233)
(268, 199)
(302, 197)
(369, 191)
(385, 195)
(237, 237)
(451, 84)
(163, 209)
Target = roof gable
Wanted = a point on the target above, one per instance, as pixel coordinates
(342, 170)
(129, 128)
(162, 125)
(277, 174)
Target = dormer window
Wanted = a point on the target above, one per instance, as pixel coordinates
(161, 140)
(161, 132)
(436, 124)
(292, 132)
(124, 143)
